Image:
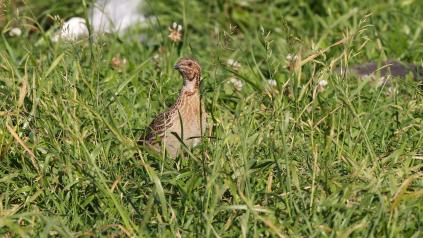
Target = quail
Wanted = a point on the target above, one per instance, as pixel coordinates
(185, 120)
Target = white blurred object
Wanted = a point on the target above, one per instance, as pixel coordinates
(72, 30)
(233, 64)
(15, 32)
(272, 82)
(106, 16)
(291, 57)
(321, 85)
(115, 16)
(238, 84)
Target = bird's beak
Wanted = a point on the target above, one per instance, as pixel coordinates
(176, 66)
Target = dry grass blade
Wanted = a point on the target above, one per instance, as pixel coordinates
(5, 113)
(299, 63)
(125, 231)
(26, 148)
(272, 226)
(23, 91)
(402, 190)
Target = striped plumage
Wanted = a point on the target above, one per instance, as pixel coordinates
(186, 117)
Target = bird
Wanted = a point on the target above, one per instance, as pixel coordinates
(185, 120)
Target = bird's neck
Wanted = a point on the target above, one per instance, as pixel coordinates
(187, 94)
(191, 87)
(187, 91)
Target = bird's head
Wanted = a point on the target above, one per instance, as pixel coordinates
(190, 71)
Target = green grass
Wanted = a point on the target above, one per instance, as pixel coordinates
(284, 161)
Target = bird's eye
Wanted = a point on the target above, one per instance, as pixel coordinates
(190, 64)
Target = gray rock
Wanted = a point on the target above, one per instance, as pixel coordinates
(384, 69)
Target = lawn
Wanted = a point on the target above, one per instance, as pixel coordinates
(285, 156)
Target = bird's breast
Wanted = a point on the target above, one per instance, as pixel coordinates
(188, 123)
